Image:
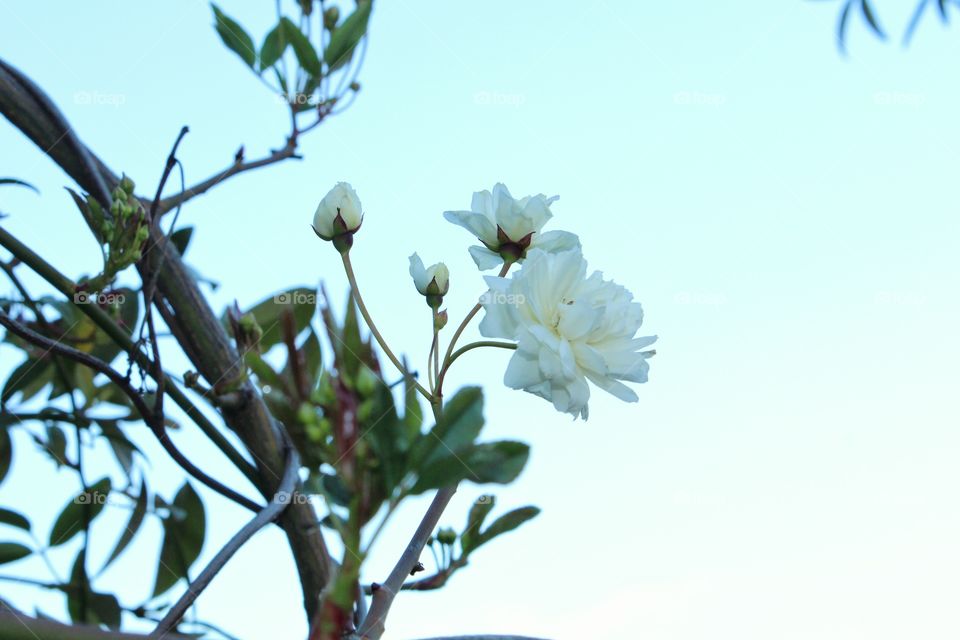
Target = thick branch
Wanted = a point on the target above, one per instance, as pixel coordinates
(15, 625)
(196, 327)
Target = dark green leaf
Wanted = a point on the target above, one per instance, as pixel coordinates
(123, 449)
(6, 452)
(507, 522)
(29, 379)
(458, 427)
(12, 551)
(105, 609)
(334, 488)
(14, 519)
(183, 534)
(478, 513)
(85, 505)
(133, 525)
(346, 37)
(274, 45)
(497, 462)
(268, 313)
(871, 18)
(306, 54)
(234, 36)
(56, 445)
(19, 183)
(181, 239)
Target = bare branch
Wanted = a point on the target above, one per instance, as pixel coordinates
(284, 496)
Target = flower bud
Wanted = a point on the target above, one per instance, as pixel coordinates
(330, 18)
(338, 216)
(127, 185)
(432, 282)
(446, 536)
(440, 320)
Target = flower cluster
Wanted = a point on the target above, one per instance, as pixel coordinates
(567, 328)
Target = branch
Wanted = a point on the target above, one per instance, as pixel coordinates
(289, 150)
(157, 427)
(372, 626)
(196, 328)
(15, 625)
(284, 496)
(100, 317)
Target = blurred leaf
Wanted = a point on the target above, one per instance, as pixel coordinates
(306, 54)
(478, 513)
(29, 379)
(871, 18)
(181, 239)
(842, 25)
(105, 609)
(274, 45)
(14, 519)
(333, 486)
(491, 462)
(12, 551)
(459, 426)
(346, 37)
(183, 534)
(132, 526)
(505, 523)
(56, 445)
(6, 452)
(70, 521)
(123, 449)
(302, 301)
(19, 183)
(234, 36)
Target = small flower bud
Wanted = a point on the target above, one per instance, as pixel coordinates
(440, 320)
(446, 536)
(127, 185)
(354, 86)
(432, 282)
(330, 18)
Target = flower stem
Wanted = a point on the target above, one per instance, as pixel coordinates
(480, 343)
(355, 290)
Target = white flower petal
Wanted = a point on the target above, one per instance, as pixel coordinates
(556, 241)
(476, 223)
(484, 258)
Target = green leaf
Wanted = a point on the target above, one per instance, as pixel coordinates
(306, 54)
(234, 36)
(56, 445)
(86, 504)
(14, 519)
(105, 609)
(274, 45)
(871, 18)
(19, 183)
(29, 379)
(132, 526)
(478, 513)
(183, 534)
(6, 452)
(268, 313)
(12, 551)
(491, 462)
(459, 426)
(123, 449)
(345, 38)
(505, 523)
(181, 239)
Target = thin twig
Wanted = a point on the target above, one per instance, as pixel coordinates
(139, 404)
(281, 499)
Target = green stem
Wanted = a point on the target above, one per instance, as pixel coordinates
(476, 345)
(355, 290)
(100, 317)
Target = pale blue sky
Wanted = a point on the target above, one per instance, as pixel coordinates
(786, 215)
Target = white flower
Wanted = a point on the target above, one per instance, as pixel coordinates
(508, 227)
(569, 328)
(431, 281)
(339, 212)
